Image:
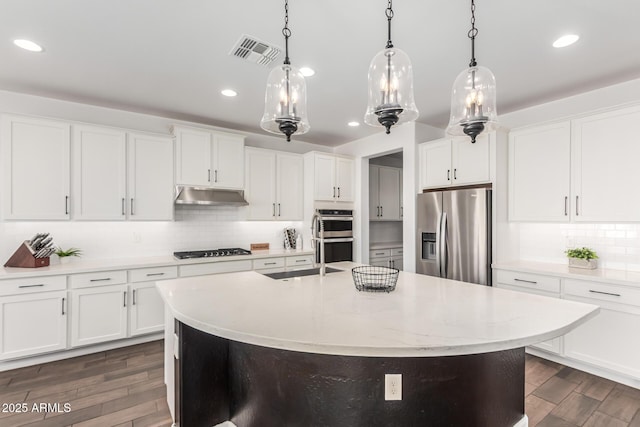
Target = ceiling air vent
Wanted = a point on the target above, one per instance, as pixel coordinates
(253, 50)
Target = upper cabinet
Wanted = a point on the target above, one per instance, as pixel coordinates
(150, 177)
(539, 174)
(274, 185)
(454, 161)
(209, 159)
(385, 192)
(584, 170)
(36, 174)
(99, 173)
(333, 177)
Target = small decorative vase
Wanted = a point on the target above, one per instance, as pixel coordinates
(65, 260)
(589, 264)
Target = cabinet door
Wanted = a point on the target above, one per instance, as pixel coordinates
(32, 324)
(151, 190)
(36, 168)
(228, 158)
(147, 309)
(374, 193)
(99, 173)
(607, 340)
(98, 314)
(539, 177)
(470, 161)
(437, 164)
(290, 187)
(389, 189)
(193, 157)
(260, 189)
(380, 262)
(324, 177)
(397, 262)
(605, 153)
(345, 179)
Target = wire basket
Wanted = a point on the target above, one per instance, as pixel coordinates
(370, 278)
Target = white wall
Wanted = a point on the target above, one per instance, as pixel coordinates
(193, 228)
(404, 138)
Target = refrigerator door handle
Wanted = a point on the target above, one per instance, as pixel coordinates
(438, 251)
(443, 246)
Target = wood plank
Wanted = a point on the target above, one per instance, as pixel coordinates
(122, 416)
(620, 404)
(576, 408)
(536, 409)
(555, 390)
(599, 419)
(116, 405)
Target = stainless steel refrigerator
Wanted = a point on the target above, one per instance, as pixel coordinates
(454, 235)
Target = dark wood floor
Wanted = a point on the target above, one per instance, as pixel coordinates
(125, 388)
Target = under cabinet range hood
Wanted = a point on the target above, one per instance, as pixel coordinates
(209, 196)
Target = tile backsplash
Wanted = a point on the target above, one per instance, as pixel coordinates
(195, 227)
(617, 245)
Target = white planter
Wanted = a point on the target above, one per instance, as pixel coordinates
(65, 260)
(590, 264)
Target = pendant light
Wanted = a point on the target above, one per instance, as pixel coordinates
(285, 101)
(390, 85)
(473, 99)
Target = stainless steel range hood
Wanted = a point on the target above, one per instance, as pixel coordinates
(209, 196)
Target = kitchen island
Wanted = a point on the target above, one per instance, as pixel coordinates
(313, 351)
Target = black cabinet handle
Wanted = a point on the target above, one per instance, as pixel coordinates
(132, 212)
(134, 297)
(338, 192)
(208, 175)
(604, 293)
(31, 286)
(216, 175)
(154, 274)
(269, 263)
(279, 210)
(577, 198)
(455, 173)
(526, 281)
(63, 300)
(566, 199)
(123, 203)
(334, 192)
(448, 174)
(66, 205)
(274, 210)
(100, 280)
(124, 299)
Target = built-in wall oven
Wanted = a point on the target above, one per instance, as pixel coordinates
(338, 235)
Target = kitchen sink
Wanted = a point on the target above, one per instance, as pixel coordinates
(299, 273)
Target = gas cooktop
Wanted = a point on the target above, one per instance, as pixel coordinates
(211, 253)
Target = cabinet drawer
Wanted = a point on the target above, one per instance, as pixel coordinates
(150, 274)
(101, 278)
(527, 280)
(380, 253)
(294, 261)
(259, 264)
(214, 268)
(602, 292)
(397, 251)
(33, 284)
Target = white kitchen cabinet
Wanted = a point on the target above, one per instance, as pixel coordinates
(274, 185)
(33, 323)
(454, 161)
(98, 314)
(150, 179)
(146, 312)
(539, 173)
(608, 339)
(391, 257)
(384, 193)
(605, 172)
(99, 173)
(209, 159)
(333, 177)
(36, 174)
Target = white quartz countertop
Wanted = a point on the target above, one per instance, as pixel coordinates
(424, 316)
(385, 245)
(619, 277)
(87, 266)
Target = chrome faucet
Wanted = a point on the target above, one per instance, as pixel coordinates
(317, 227)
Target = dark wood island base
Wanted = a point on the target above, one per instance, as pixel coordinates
(219, 380)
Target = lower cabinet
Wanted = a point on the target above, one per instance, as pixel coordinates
(146, 312)
(391, 258)
(33, 324)
(99, 314)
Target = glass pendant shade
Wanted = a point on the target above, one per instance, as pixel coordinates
(285, 106)
(473, 103)
(390, 90)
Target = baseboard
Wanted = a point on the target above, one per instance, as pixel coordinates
(524, 422)
(586, 367)
(74, 352)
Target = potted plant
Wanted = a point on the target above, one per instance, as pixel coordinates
(582, 258)
(66, 254)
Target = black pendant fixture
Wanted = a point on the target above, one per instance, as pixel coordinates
(473, 98)
(285, 104)
(390, 85)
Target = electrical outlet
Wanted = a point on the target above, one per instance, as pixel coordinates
(137, 237)
(393, 387)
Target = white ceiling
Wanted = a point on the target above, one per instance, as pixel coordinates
(170, 57)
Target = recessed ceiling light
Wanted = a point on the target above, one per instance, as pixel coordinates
(229, 92)
(566, 40)
(307, 72)
(353, 124)
(28, 45)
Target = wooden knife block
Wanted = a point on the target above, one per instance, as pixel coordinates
(23, 257)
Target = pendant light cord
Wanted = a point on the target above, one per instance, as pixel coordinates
(473, 32)
(286, 32)
(389, 14)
